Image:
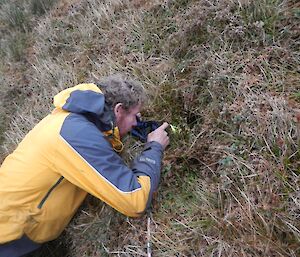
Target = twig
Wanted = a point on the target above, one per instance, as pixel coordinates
(149, 234)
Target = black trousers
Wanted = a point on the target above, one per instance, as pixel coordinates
(18, 248)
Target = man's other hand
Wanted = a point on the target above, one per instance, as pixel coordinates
(159, 135)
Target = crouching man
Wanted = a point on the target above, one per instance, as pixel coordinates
(71, 152)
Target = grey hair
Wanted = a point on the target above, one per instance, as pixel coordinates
(120, 89)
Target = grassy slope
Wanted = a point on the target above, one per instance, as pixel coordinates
(226, 73)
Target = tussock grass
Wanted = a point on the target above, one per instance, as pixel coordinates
(226, 74)
(15, 15)
(40, 7)
(16, 22)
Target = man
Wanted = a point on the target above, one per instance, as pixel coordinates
(71, 152)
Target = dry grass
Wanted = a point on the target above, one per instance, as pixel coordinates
(226, 73)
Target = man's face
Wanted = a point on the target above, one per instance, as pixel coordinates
(126, 119)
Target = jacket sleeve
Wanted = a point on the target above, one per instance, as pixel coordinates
(85, 158)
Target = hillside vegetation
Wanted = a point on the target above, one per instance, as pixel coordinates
(225, 73)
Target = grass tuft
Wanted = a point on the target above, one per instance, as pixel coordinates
(40, 7)
(15, 15)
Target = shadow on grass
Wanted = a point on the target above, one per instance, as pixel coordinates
(55, 248)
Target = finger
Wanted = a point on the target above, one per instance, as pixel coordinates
(163, 126)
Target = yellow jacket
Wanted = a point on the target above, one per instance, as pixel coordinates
(67, 154)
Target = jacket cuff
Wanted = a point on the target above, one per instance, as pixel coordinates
(154, 145)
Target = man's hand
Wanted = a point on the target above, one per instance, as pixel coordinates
(159, 135)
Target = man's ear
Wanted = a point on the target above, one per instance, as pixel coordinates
(118, 109)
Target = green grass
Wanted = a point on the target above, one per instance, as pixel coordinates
(16, 16)
(40, 7)
(16, 46)
(265, 12)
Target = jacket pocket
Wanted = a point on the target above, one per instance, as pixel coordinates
(49, 192)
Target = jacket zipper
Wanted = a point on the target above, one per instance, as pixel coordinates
(49, 192)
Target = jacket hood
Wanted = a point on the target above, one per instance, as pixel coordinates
(88, 100)
(82, 99)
